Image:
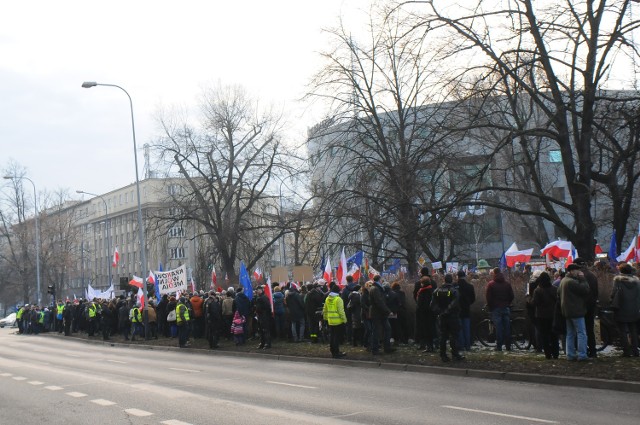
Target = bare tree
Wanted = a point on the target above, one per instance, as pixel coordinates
(229, 164)
(546, 64)
(378, 154)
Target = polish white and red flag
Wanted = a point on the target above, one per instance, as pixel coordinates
(558, 249)
(214, 277)
(151, 278)
(257, 274)
(116, 258)
(373, 272)
(138, 282)
(572, 256)
(355, 272)
(513, 255)
(140, 297)
(193, 285)
(630, 253)
(341, 274)
(327, 271)
(269, 293)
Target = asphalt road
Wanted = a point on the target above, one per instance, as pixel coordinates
(52, 380)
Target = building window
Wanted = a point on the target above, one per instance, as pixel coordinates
(555, 156)
(176, 253)
(174, 189)
(176, 232)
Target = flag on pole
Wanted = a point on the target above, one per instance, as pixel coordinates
(245, 281)
(269, 293)
(257, 274)
(214, 278)
(116, 258)
(513, 255)
(354, 272)
(598, 249)
(502, 264)
(327, 271)
(356, 258)
(630, 252)
(613, 249)
(193, 285)
(372, 272)
(138, 282)
(557, 249)
(341, 274)
(140, 297)
(572, 256)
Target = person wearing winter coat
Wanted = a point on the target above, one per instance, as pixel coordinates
(467, 294)
(499, 296)
(379, 316)
(425, 317)
(573, 293)
(625, 301)
(279, 312)
(544, 304)
(295, 306)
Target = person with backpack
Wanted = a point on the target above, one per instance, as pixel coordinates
(446, 304)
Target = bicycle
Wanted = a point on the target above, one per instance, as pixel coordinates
(485, 331)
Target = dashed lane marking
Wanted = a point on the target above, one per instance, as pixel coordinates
(117, 361)
(184, 370)
(103, 402)
(6, 374)
(174, 422)
(53, 388)
(291, 385)
(19, 378)
(138, 412)
(36, 382)
(504, 415)
(76, 394)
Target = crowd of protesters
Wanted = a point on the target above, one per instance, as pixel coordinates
(372, 314)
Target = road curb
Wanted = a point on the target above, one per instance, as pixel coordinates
(567, 381)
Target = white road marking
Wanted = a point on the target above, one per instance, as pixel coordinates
(19, 378)
(6, 374)
(36, 382)
(103, 402)
(184, 370)
(291, 385)
(73, 355)
(117, 361)
(174, 422)
(53, 388)
(504, 415)
(138, 412)
(76, 394)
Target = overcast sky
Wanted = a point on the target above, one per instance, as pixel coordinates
(162, 53)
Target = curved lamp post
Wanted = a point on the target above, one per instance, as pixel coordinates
(107, 224)
(35, 203)
(143, 256)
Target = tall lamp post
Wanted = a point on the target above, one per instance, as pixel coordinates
(107, 224)
(35, 203)
(143, 256)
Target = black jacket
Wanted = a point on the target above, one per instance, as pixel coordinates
(467, 295)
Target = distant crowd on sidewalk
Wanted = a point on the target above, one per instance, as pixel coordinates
(561, 306)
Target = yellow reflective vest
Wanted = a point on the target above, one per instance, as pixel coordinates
(135, 315)
(185, 311)
(92, 311)
(60, 308)
(333, 310)
(20, 313)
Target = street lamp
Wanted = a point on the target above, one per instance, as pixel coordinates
(107, 224)
(143, 256)
(35, 203)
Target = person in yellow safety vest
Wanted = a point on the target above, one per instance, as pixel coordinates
(333, 313)
(182, 320)
(19, 318)
(91, 323)
(39, 318)
(59, 311)
(135, 316)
